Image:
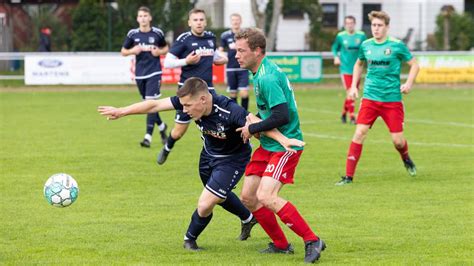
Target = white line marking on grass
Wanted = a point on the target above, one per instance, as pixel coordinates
(456, 124)
(430, 144)
(421, 121)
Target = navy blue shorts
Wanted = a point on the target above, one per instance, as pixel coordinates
(183, 118)
(237, 80)
(149, 88)
(220, 175)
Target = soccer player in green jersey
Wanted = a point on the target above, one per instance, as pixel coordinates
(382, 91)
(345, 50)
(271, 167)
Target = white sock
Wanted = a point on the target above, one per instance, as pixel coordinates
(162, 126)
(248, 219)
(148, 137)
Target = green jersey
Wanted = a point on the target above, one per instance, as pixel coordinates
(346, 46)
(272, 88)
(384, 61)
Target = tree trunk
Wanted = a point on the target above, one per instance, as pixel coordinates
(272, 34)
(258, 16)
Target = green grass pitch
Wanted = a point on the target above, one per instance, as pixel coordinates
(132, 211)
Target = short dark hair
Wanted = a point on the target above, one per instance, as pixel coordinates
(196, 10)
(254, 37)
(192, 86)
(350, 17)
(144, 9)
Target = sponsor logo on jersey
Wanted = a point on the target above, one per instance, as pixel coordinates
(203, 51)
(378, 62)
(146, 46)
(218, 134)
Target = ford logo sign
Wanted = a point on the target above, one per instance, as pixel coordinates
(50, 63)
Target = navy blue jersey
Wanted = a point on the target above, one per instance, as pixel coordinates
(147, 65)
(204, 45)
(228, 43)
(218, 128)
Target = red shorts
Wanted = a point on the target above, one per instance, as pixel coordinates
(280, 166)
(392, 114)
(347, 81)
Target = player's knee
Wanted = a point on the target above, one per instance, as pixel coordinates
(204, 208)
(359, 135)
(249, 201)
(399, 143)
(265, 198)
(177, 134)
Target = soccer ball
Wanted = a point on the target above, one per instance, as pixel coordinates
(61, 190)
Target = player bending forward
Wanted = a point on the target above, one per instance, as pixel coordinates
(223, 157)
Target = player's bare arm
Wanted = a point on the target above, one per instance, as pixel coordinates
(145, 107)
(193, 58)
(135, 50)
(274, 134)
(414, 68)
(157, 51)
(220, 58)
(357, 73)
(337, 61)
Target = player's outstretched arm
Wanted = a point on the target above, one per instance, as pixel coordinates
(151, 106)
(274, 133)
(414, 68)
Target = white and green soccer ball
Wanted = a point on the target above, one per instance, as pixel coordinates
(61, 190)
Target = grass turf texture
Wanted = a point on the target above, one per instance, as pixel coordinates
(132, 211)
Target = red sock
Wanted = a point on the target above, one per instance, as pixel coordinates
(267, 220)
(350, 107)
(403, 151)
(352, 158)
(292, 218)
(344, 107)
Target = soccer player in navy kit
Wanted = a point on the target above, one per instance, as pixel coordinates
(237, 78)
(224, 155)
(195, 52)
(147, 43)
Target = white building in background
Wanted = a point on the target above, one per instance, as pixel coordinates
(411, 20)
(415, 19)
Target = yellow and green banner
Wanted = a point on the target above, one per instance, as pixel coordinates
(446, 69)
(300, 68)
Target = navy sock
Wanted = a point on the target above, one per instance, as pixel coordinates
(197, 225)
(170, 142)
(158, 119)
(233, 205)
(150, 123)
(245, 103)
